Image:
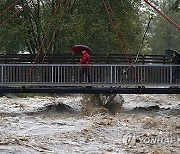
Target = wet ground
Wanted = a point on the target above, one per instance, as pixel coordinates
(146, 124)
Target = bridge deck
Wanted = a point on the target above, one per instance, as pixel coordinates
(109, 78)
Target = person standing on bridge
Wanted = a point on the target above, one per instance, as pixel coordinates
(85, 52)
(85, 68)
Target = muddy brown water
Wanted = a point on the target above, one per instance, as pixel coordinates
(146, 124)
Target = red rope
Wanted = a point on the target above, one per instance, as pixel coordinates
(164, 15)
(50, 23)
(55, 31)
(120, 37)
(9, 7)
(15, 13)
(52, 38)
(118, 33)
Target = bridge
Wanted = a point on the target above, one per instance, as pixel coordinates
(147, 78)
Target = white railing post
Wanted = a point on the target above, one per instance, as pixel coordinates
(171, 74)
(52, 73)
(115, 74)
(111, 73)
(2, 74)
(103, 74)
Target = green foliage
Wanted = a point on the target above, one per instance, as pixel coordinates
(12, 32)
(163, 35)
(89, 24)
(84, 22)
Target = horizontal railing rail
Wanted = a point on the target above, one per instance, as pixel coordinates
(100, 75)
(73, 59)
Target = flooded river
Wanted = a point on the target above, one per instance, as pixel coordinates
(146, 124)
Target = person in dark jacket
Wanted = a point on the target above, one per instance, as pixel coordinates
(85, 68)
(175, 61)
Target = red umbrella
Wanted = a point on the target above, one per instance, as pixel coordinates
(77, 49)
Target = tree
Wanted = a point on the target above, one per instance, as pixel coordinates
(84, 22)
(162, 34)
(12, 32)
(89, 24)
(175, 5)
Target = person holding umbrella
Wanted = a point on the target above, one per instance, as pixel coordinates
(85, 52)
(85, 68)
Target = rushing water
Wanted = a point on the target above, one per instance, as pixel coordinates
(146, 124)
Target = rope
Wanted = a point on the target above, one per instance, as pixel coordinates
(121, 35)
(125, 71)
(122, 43)
(118, 35)
(55, 31)
(142, 43)
(164, 15)
(45, 36)
(9, 7)
(15, 13)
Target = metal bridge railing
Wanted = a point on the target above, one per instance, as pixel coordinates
(101, 75)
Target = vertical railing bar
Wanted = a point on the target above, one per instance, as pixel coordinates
(67, 73)
(138, 71)
(167, 77)
(159, 72)
(164, 74)
(102, 73)
(8, 75)
(58, 74)
(115, 73)
(42, 73)
(2, 73)
(12, 76)
(144, 74)
(7, 72)
(16, 77)
(16, 72)
(23, 73)
(97, 74)
(61, 73)
(54, 74)
(52, 67)
(104, 77)
(64, 75)
(49, 74)
(171, 74)
(141, 74)
(111, 73)
(20, 74)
